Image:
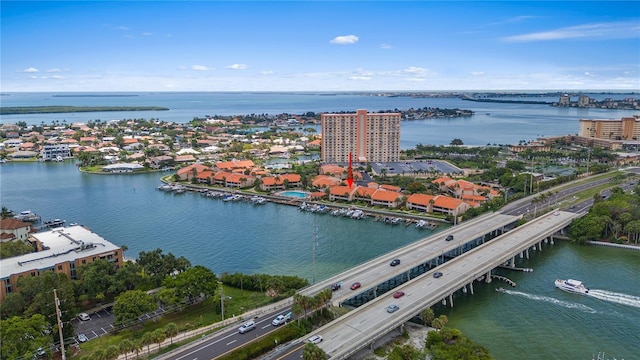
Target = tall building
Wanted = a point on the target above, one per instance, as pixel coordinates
(627, 128)
(369, 137)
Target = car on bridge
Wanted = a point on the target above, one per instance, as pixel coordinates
(398, 294)
(392, 308)
(449, 237)
(395, 262)
(335, 287)
(355, 285)
(437, 274)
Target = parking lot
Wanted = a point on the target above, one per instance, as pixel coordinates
(100, 323)
(415, 167)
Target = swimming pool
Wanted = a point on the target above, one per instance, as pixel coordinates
(297, 194)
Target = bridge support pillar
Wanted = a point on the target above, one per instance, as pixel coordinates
(451, 300)
(540, 246)
(552, 241)
(527, 252)
(487, 278)
(471, 287)
(513, 261)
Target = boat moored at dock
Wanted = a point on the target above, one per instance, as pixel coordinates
(572, 286)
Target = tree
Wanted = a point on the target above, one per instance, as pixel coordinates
(427, 316)
(193, 282)
(158, 265)
(95, 278)
(171, 330)
(456, 142)
(21, 337)
(147, 339)
(126, 346)
(112, 352)
(313, 352)
(159, 336)
(13, 305)
(132, 304)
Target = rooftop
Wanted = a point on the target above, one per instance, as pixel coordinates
(62, 245)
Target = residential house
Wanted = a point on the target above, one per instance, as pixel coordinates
(12, 229)
(188, 172)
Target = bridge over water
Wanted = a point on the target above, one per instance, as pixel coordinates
(478, 247)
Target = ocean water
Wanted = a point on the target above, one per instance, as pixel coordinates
(492, 123)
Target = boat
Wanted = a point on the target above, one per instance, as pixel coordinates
(27, 215)
(501, 289)
(572, 286)
(421, 224)
(165, 187)
(53, 223)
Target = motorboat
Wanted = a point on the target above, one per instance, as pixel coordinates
(572, 286)
(27, 215)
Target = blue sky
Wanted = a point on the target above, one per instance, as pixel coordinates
(319, 45)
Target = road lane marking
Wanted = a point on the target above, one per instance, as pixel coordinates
(231, 342)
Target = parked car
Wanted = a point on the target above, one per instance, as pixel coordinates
(449, 237)
(355, 285)
(392, 308)
(315, 339)
(437, 274)
(398, 294)
(84, 316)
(82, 338)
(395, 262)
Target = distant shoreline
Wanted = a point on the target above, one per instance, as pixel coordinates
(23, 110)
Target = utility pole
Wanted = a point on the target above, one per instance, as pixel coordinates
(221, 300)
(57, 303)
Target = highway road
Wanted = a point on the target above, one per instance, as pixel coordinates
(224, 341)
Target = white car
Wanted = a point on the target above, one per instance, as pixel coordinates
(315, 339)
(82, 338)
(281, 319)
(84, 316)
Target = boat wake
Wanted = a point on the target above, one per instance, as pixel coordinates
(615, 297)
(566, 304)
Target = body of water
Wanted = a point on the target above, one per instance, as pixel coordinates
(492, 123)
(531, 321)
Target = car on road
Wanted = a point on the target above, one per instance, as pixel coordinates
(84, 316)
(315, 339)
(398, 294)
(335, 286)
(395, 262)
(281, 319)
(355, 285)
(392, 308)
(556, 213)
(437, 274)
(82, 338)
(246, 327)
(449, 237)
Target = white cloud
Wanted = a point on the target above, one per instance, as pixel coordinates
(200, 68)
(417, 71)
(147, 33)
(360, 78)
(30, 70)
(477, 73)
(123, 28)
(613, 30)
(587, 73)
(237, 67)
(267, 72)
(385, 46)
(345, 39)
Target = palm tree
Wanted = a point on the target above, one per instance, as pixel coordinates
(159, 336)
(171, 330)
(126, 346)
(147, 339)
(112, 352)
(427, 316)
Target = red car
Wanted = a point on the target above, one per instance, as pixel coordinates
(398, 294)
(355, 286)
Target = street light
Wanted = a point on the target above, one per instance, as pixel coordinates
(221, 300)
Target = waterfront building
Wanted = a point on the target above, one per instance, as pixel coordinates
(12, 229)
(61, 250)
(627, 128)
(369, 137)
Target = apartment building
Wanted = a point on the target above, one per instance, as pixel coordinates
(627, 128)
(61, 250)
(369, 137)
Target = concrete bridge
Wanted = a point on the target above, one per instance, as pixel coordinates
(478, 247)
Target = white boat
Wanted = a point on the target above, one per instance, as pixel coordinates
(572, 286)
(27, 215)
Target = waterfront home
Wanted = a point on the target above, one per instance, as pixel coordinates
(234, 165)
(420, 202)
(449, 206)
(325, 181)
(158, 162)
(390, 199)
(333, 170)
(12, 229)
(188, 172)
(343, 193)
(280, 182)
(122, 168)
